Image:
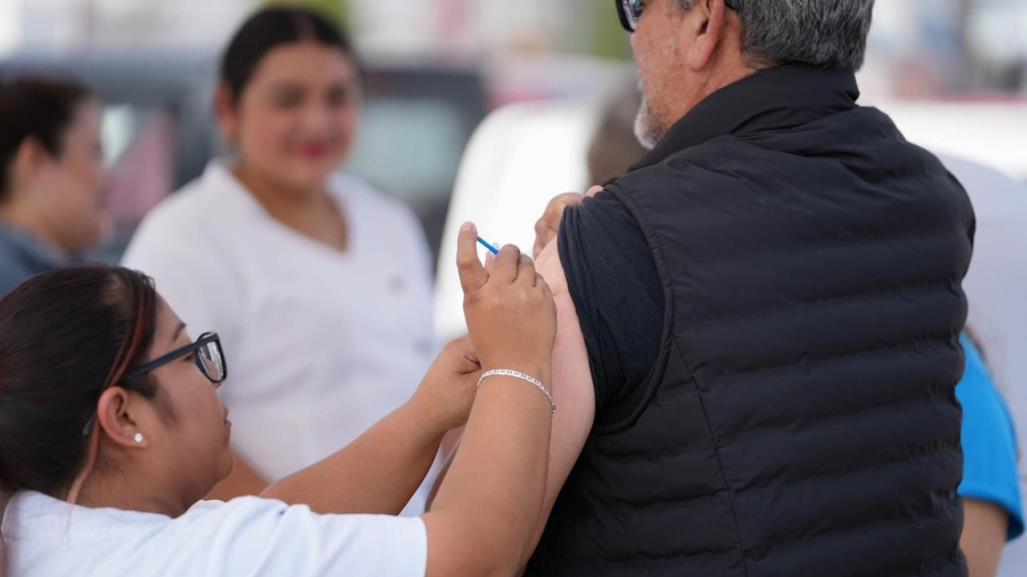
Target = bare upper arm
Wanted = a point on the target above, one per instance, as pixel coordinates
(572, 382)
(985, 529)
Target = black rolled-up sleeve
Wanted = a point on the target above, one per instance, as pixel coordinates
(616, 289)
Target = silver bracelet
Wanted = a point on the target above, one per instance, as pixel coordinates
(521, 376)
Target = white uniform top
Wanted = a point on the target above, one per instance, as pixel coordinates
(319, 344)
(996, 288)
(248, 536)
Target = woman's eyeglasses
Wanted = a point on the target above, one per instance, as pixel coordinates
(206, 353)
(631, 10)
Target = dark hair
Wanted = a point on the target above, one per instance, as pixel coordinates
(65, 336)
(269, 28)
(35, 107)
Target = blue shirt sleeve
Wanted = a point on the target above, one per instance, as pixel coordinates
(989, 442)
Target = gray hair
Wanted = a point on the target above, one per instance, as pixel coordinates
(825, 33)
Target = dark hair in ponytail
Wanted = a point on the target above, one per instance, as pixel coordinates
(39, 108)
(65, 336)
(269, 28)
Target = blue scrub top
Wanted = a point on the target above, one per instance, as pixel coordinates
(989, 442)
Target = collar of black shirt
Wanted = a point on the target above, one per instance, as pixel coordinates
(774, 98)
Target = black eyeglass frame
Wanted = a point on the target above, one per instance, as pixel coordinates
(204, 340)
(630, 11)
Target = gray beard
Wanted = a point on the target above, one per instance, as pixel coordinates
(647, 127)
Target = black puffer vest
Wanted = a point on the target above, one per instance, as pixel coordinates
(801, 419)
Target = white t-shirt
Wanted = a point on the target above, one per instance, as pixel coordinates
(319, 344)
(996, 288)
(249, 536)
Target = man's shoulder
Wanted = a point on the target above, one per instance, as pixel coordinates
(602, 244)
(604, 217)
(12, 274)
(14, 266)
(605, 204)
(688, 171)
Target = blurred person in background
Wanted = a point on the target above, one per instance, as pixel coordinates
(995, 287)
(614, 148)
(52, 175)
(758, 343)
(992, 504)
(113, 431)
(320, 285)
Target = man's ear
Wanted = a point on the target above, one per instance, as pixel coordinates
(708, 24)
(30, 159)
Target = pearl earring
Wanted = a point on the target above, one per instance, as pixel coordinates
(138, 438)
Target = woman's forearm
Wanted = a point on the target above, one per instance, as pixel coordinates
(447, 452)
(375, 474)
(482, 520)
